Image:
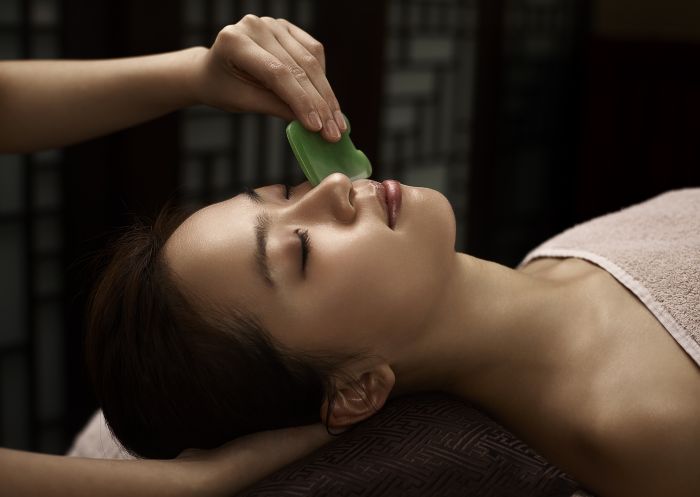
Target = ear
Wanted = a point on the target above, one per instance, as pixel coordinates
(358, 401)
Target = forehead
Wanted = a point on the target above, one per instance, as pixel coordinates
(211, 252)
(208, 228)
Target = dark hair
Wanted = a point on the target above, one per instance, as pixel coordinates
(171, 376)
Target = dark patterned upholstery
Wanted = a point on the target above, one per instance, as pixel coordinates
(427, 445)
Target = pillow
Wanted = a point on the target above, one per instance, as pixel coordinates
(423, 446)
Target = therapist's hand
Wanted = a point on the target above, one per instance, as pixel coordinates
(271, 66)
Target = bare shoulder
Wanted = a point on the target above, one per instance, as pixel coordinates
(629, 394)
(648, 448)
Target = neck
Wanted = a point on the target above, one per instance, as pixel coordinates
(494, 336)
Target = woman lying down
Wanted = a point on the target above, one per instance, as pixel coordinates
(284, 306)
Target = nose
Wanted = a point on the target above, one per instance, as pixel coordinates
(329, 201)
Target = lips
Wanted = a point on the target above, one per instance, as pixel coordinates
(392, 188)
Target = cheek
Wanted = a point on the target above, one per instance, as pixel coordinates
(371, 297)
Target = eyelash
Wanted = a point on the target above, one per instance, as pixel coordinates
(302, 234)
(305, 246)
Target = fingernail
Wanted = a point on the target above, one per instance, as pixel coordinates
(333, 129)
(315, 120)
(340, 120)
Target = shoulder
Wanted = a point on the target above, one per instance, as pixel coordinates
(649, 448)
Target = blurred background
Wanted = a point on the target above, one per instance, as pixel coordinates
(529, 115)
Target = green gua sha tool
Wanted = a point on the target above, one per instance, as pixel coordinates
(319, 158)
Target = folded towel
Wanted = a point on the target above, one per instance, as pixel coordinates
(653, 249)
(97, 442)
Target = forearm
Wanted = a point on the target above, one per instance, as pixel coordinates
(240, 463)
(29, 474)
(218, 472)
(52, 103)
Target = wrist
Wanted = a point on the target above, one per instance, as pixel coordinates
(187, 477)
(191, 62)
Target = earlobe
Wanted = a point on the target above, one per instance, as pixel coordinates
(359, 400)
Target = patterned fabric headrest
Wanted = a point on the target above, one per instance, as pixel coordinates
(422, 446)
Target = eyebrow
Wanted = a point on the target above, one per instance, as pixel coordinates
(262, 228)
(253, 196)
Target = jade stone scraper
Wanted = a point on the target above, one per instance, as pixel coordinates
(319, 158)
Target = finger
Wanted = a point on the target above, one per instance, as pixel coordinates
(311, 44)
(267, 102)
(314, 72)
(331, 130)
(275, 75)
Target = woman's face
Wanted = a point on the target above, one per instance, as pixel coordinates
(364, 287)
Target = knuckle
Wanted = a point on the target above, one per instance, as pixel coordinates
(249, 19)
(305, 102)
(276, 69)
(330, 97)
(284, 23)
(230, 33)
(309, 61)
(298, 72)
(331, 101)
(267, 19)
(324, 110)
(317, 48)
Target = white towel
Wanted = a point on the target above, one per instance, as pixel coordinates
(96, 441)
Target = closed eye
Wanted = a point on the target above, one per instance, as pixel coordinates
(305, 247)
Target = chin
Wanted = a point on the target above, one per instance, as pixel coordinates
(439, 221)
